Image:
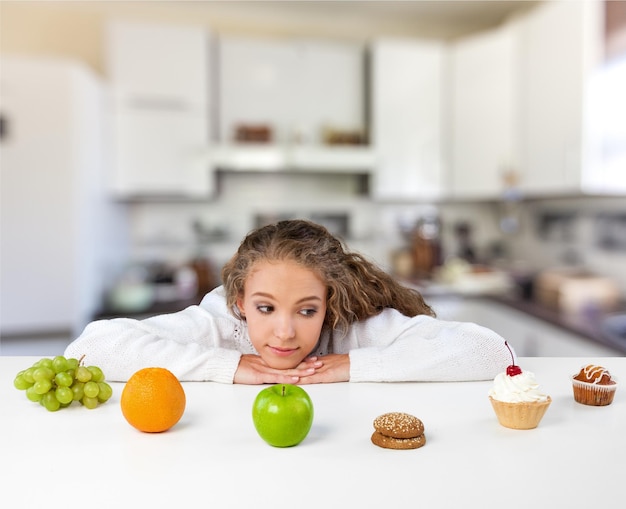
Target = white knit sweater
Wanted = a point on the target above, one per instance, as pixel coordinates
(205, 342)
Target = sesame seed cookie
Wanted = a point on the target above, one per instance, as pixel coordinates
(397, 443)
(399, 425)
(398, 430)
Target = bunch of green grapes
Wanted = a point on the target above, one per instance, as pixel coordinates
(58, 382)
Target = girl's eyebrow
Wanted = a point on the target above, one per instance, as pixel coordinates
(306, 299)
(299, 301)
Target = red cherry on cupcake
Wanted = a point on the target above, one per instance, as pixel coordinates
(512, 370)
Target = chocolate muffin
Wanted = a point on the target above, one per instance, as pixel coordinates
(593, 385)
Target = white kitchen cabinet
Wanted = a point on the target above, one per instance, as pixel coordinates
(606, 130)
(257, 85)
(484, 130)
(332, 84)
(295, 87)
(160, 65)
(160, 77)
(408, 91)
(61, 234)
(562, 46)
(161, 153)
(534, 99)
(531, 337)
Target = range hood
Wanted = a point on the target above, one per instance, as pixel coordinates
(276, 157)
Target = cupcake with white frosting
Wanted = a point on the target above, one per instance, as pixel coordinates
(517, 399)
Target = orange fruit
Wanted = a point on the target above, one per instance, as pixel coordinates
(153, 400)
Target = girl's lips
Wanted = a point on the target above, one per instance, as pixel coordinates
(281, 352)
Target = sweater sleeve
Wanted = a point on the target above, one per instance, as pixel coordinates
(392, 348)
(194, 344)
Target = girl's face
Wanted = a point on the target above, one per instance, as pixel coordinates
(284, 305)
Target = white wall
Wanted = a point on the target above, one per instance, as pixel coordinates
(165, 229)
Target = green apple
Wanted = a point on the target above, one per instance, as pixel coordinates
(283, 414)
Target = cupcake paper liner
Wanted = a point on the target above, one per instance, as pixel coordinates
(593, 394)
(525, 415)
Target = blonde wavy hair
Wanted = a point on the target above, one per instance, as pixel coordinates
(357, 288)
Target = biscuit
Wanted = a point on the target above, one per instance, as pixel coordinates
(397, 443)
(399, 425)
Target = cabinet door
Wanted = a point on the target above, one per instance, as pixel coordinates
(561, 43)
(484, 116)
(153, 64)
(551, 341)
(161, 152)
(407, 86)
(533, 337)
(606, 130)
(257, 86)
(331, 88)
(159, 77)
(529, 336)
(296, 87)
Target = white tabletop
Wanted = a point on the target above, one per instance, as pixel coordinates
(214, 458)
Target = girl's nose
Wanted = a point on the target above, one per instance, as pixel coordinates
(284, 328)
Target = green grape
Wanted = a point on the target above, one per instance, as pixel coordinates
(27, 374)
(45, 363)
(20, 382)
(64, 395)
(96, 373)
(82, 374)
(55, 383)
(91, 389)
(105, 392)
(43, 373)
(64, 379)
(50, 402)
(59, 363)
(89, 403)
(42, 386)
(32, 395)
(78, 391)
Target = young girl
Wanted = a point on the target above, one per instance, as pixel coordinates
(296, 307)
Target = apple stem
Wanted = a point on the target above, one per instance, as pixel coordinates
(283, 390)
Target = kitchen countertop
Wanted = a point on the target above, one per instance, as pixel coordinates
(156, 308)
(589, 326)
(214, 458)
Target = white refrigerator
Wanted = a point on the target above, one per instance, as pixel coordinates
(60, 232)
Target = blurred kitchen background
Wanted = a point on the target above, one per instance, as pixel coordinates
(474, 149)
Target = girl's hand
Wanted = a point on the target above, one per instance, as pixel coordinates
(253, 370)
(335, 368)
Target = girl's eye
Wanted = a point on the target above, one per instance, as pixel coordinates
(267, 309)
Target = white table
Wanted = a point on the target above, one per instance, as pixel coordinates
(214, 458)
